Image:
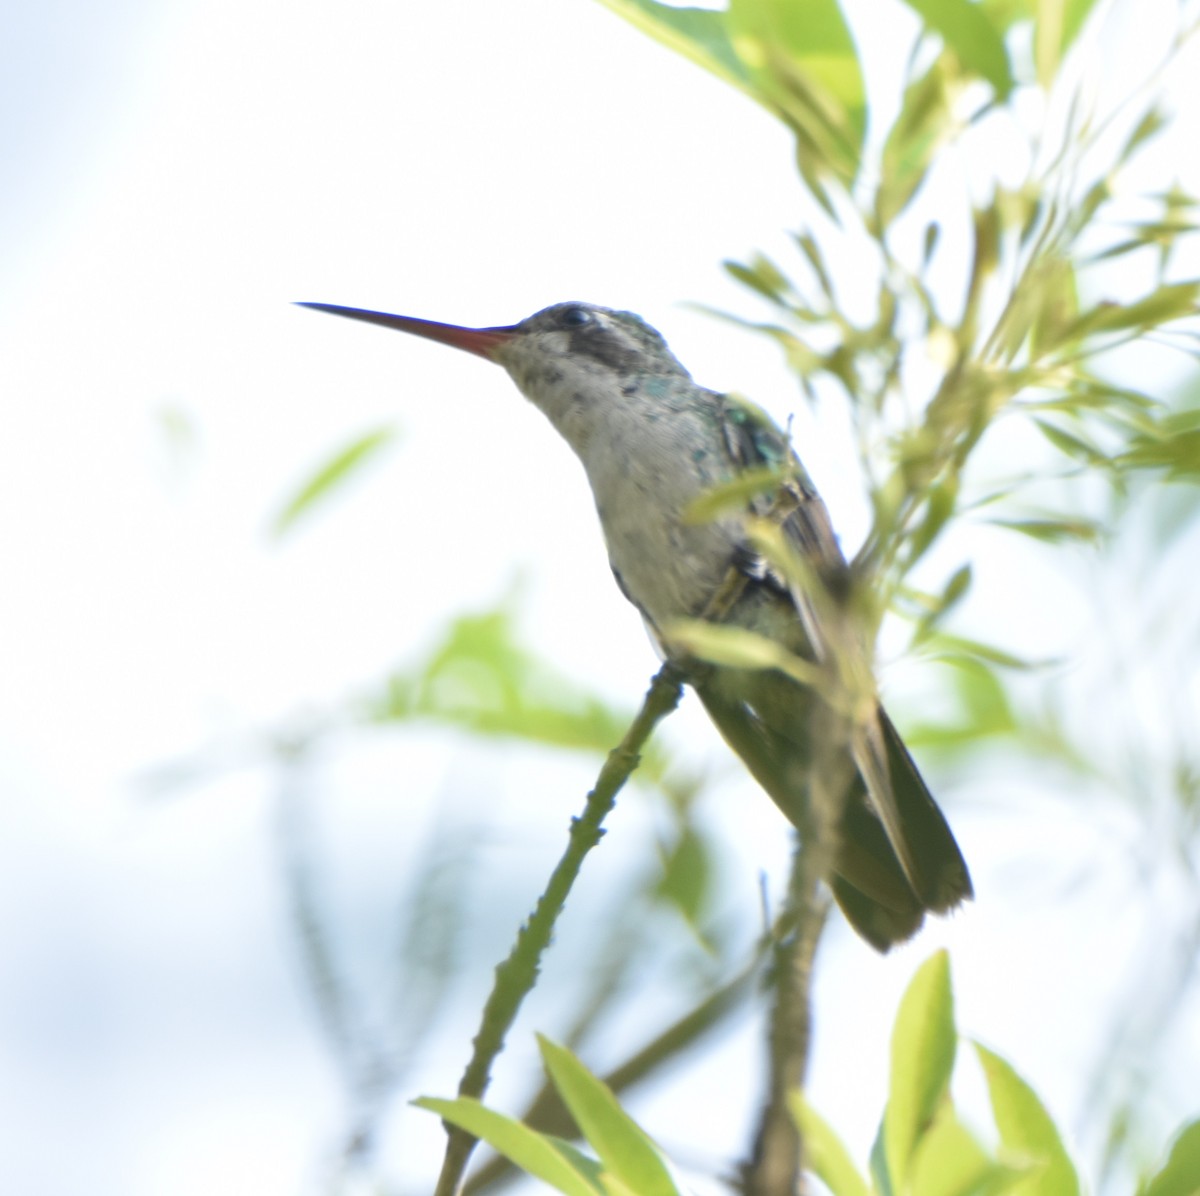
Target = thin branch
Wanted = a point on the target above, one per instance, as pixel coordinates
(548, 1115)
(775, 1169)
(516, 976)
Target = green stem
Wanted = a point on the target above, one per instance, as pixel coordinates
(516, 976)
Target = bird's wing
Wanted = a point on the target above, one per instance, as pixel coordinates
(755, 443)
(819, 597)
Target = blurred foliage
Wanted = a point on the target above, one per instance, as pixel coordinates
(482, 679)
(1067, 270)
(923, 1147)
(1035, 317)
(331, 475)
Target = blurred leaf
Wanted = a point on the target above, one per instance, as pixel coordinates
(956, 587)
(1173, 446)
(797, 59)
(923, 1045)
(941, 500)
(698, 34)
(1042, 308)
(1172, 301)
(959, 648)
(735, 496)
(763, 276)
(949, 1162)
(929, 242)
(686, 880)
(1073, 446)
(1180, 1174)
(1057, 309)
(804, 62)
(1088, 392)
(807, 244)
(1054, 531)
(551, 1160)
(934, 608)
(738, 648)
(824, 1154)
(966, 29)
(1148, 127)
(879, 1167)
(1027, 1131)
(926, 122)
(333, 474)
(1058, 23)
(985, 258)
(483, 679)
(986, 711)
(1005, 13)
(622, 1146)
(1178, 207)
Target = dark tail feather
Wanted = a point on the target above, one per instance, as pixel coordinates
(882, 926)
(870, 885)
(942, 881)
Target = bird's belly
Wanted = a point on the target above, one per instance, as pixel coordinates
(668, 567)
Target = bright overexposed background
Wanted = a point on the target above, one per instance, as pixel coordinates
(175, 175)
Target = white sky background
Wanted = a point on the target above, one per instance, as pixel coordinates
(177, 174)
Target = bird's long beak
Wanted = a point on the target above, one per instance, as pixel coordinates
(482, 341)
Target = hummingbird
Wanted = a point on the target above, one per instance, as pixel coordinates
(652, 442)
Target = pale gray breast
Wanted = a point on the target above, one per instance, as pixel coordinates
(644, 471)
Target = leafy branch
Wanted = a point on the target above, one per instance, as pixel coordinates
(923, 1145)
(516, 976)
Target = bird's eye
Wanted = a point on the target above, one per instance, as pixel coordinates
(576, 317)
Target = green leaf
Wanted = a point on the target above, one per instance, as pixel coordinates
(482, 678)
(984, 261)
(1054, 531)
(1057, 308)
(1027, 1131)
(697, 33)
(333, 474)
(949, 1162)
(804, 64)
(960, 649)
(622, 1146)
(926, 122)
(546, 1158)
(923, 1045)
(879, 1167)
(984, 698)
(1173, 301)
(1057, 24)
(824, 1154)
(739, 648)
(941, 500)
(1180, 1174)
(1172, 445)
(1074, 14)
(957, 586)
(1073, 446)
(966, 29)
(984, 703)
(1006, 13)
(687, 876)
(1151, 123)
(762, 276)
(807, 244)
(735, 495)
(934, 608)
